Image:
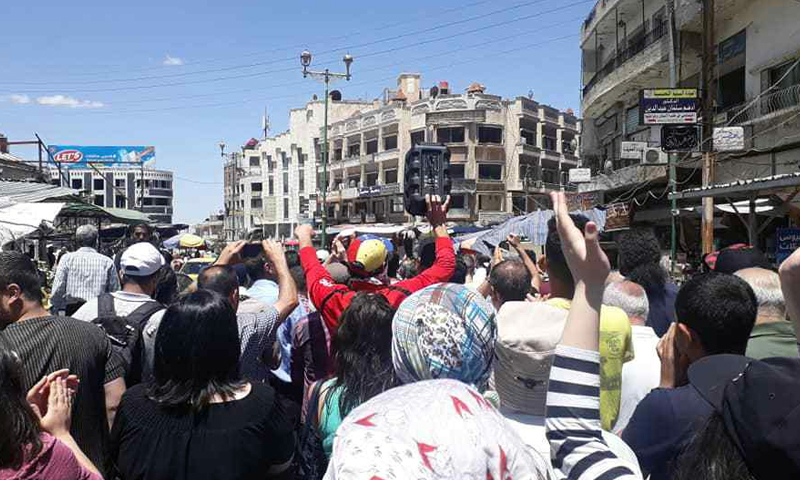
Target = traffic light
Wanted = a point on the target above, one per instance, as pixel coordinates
(427, 172)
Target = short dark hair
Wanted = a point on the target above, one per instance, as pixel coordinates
(556, 262)
(640, 258)
(167, 286)
(721, 309)
(255, 268)
(140, 225)
(18, 268)
(426, 252)
(460, 273)
(393, 265)
(20, 427)
(196, 352)
(221, 279)
(299, 277)
(363, 346)
(511, 280)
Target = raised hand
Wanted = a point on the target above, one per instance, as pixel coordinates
(586, 260)
(38, 395)
(437, 210)
(274, 251)
(58, 417)
(231, 253)
(304, 232)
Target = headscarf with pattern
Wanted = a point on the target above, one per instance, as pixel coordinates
(434, 429)
(444, 331)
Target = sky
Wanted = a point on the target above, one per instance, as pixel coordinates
(182, 76)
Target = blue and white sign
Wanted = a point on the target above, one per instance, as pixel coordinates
(786, 242)
(74, 156)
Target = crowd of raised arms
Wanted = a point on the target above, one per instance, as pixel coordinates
(388, 359)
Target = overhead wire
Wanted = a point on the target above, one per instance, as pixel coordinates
(294, 58)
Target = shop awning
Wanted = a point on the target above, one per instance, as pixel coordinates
(741, 188)
(21, 219)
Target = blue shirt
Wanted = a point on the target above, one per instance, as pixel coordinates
(662, 308)
(284, 337)
(265, 291)
(664, 421)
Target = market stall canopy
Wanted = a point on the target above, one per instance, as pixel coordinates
(34, 192)
(21, 219)
(532, 225)
(88, 210)
(184, 240)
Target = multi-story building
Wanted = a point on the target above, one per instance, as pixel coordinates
(626, 48)
(505, 156)
(121, 187)
(211, 229)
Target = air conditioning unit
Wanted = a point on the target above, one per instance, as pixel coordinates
(655, 156)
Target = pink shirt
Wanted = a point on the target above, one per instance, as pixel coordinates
(54, 462)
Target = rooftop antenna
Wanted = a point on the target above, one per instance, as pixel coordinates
(265, 123)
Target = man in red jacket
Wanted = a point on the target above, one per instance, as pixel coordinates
(367, 259)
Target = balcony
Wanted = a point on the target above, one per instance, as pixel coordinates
(463, 185)
(459, 214)
(251, 172)
(771, 104)
(493, 218)
(650, 50)
(351, 162)
(349, 193)
(256, 194)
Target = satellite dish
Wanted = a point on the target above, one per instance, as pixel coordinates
(434, 91)
(336, 96)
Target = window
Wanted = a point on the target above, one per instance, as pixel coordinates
(119, 201)
(271, 186)
(450, 135)
(490, 134)
(731, 89)
(632, 120)
(148, 201)
(286, 160)
(98, 184)
(285, 183)
(255, 162)
(303, 205)
(458, 201)
(492, 203)
(488, 171)
(549, 143)
(390, 176)
(161, 201)
(301, 181)
(100, 200)
(372, 146)
(397, 205)
(518, 204)
(77, 184)
(337, 153)
(377, 208)
(285, 208)
(255, 203)
(269, 163)
(456, 170)
(528, 137)
(344, 211)
(301, 160)
(418, 137)
(257, 187)
(119, 182)
(390, 142)
(372, 179)
(777, 73)
(353, 150)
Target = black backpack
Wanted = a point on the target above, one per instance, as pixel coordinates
(124, 332)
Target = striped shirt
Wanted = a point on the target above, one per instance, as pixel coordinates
(83, 274)
(577, 448)
(47, 344)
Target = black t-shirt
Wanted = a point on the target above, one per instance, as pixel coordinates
(240, 439)
(50, 343)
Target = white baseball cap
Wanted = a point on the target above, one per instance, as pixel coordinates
(141, 259)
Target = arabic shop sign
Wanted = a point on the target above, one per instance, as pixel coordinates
(729, 139)
(664, 106)
(679, 138)
(787, 241)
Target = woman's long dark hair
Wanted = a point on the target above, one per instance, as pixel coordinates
(18, 424)
(712, 455)
(363, 346)
(196, 352)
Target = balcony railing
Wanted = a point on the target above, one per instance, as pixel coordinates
(772, 102)
(628, 53)
(463, 185)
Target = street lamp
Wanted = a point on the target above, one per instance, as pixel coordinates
(325, 76)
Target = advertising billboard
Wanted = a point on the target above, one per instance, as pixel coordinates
(75, 156)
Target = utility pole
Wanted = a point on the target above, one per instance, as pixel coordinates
(673, 83)
(709, 63)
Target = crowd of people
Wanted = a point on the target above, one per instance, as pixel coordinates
(400, 358)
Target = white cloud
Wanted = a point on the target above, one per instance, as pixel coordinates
(66, 101)
(172, 61)
(19, 99)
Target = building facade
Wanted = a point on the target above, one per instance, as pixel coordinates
(505, 156)
(212, 228)
(121, 187)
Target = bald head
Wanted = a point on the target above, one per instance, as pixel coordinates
(766, 284)
(631, 298)
(218, 278)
